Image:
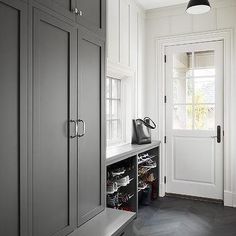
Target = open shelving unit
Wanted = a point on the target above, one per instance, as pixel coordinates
(129, 164)
(148, 175)
(124, 196)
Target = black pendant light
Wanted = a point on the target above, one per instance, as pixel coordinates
(198, 7)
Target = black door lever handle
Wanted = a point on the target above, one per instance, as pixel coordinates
(218, 134)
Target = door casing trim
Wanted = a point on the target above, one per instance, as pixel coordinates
(225, 35)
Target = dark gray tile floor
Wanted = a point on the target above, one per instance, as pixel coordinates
(171, 216)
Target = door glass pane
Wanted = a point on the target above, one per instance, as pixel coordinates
(204, 90)
(194, 90)
(204, 61)
(204, 117)
(182, 90)
(183, 117)
(204, 72)
(182, 65)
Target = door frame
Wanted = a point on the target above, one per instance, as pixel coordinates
(224, 35)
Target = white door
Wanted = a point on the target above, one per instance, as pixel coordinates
(194, 119)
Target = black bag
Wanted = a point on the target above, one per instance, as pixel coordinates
(141, 133)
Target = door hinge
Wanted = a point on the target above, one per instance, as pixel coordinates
(165, 58)
(165, 139)
(223, 133)
(165, 99)
(164, 179)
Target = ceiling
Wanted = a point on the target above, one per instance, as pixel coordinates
(150, 4)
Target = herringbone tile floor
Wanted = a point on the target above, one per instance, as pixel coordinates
(179, 217)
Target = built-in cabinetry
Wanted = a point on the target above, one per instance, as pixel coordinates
(132, 176)
(148, 176)
(88, 13)
(13, 118)
(91, 144)
(52, 145)
(122, 185)
(54, 104)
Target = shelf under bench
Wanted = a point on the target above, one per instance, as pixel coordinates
(110, 222)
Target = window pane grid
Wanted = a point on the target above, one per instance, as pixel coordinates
(113, 116)
(194, 91)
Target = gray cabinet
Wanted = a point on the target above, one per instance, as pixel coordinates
(51, 78)
(54, 104)
(63, 7)
(92, 15)
(66, 89)
(91, 109)
(88, 13)
(13, 118)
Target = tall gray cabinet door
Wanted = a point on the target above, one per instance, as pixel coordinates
(91, 144)
(13, 118)
(92, 15)
(54, 104)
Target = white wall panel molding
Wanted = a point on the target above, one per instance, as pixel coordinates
(119, 71)
(126, 43)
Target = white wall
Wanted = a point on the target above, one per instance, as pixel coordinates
(170, 21)
(126, 44)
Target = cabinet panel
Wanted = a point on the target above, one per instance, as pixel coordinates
(64, 7)
(93, 15)
(54, 153)
(91, 152)
(13, 116)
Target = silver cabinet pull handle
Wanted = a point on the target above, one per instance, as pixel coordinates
(76, 128)
(77, 11)
(84, 128)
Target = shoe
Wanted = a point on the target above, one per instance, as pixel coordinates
(144, 156)
(150, 178)
(112, 201)
(140, 159)
(142, 171)
(119, 171)
(150, 164)
(123, 181)
(111, 187)
(141, 185)
(123, 198)
(146, 196)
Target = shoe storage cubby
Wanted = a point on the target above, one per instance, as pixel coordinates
(133, 176)
(122, 185)
(148, 176)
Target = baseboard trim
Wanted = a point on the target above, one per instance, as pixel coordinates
(228, 199)
(194, 198)
(234, 199)
(161, 190)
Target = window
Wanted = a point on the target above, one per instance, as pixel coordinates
(194, 90)
(113, 111)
